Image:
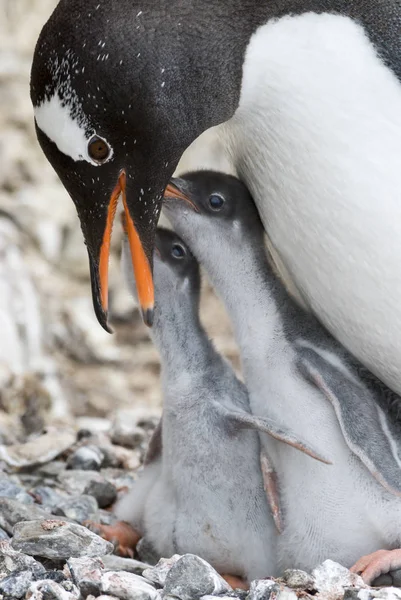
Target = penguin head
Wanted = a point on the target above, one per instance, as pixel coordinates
(176, 271)
(212, 207)
(115, 88)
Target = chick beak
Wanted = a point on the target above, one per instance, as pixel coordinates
(140, 263)
(173, 191)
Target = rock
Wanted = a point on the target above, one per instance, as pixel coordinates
(192, 577)
(120, 478)
(40, 450)
(52, 470)
(264, 589)
(12, 561)
(16, 584)
(86, 574)
(8, 489)
(106, 517)
(392, 579)
(125, 432)
(86, 458)
(75, 482)
(146, 553)
(94, 424)
(298, 580)
(56, 539)
(47, 496)
(51, 590)
(12, 512)
(117, 563)
(128, 586)
(332, 578)
(57, 576)
(104, 492)
(79, 509)
(159, 572)
(3, 535)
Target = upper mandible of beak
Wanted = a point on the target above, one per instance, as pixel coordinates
(141, 265)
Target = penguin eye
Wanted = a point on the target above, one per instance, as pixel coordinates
(98, 149)
(216, 201)
(178, 251)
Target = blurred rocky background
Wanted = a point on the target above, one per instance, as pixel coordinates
(57, 366)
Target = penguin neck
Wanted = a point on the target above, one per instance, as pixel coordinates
(253, 296)
(179, 337)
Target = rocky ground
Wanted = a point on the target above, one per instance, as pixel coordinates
(50, 489)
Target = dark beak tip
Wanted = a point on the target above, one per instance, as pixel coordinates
(102, 317)
(148, 315)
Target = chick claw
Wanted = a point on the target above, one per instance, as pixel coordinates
(122, 535)
(372, 566)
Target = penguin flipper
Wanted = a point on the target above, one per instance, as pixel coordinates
(362, 422)
(246, 421)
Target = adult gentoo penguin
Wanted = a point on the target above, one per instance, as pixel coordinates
(310, 94)
(298, 374)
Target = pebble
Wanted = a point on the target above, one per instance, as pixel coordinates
(332, 578)
(191, 577)
(159, 572)
(39, 450)
(3, 535)
(297, 579)
(75, 482)
(12, 561)
(16, 584)
(47, 496)
(51, 590)
(57, 539)
(13, 512)
(104, 492)
(106, 517)
(86, 574)
(112, 562)
(86, 458)
(79, 509)
(392, 579)
(52, 470)
(8, 489)
(264, 589)
(146, 553)
(127, 434)
(127, 586)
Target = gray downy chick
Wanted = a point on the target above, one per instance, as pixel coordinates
(202, 490)
(295, 371)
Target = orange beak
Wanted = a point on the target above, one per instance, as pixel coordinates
(172, 191)
(140, 263)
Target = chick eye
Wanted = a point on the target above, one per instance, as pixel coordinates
(98, 149)
(216, 201)
(178, 251)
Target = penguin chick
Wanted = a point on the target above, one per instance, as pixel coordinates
(292, 366)
(204, 492)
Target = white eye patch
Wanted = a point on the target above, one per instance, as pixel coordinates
(70, 137)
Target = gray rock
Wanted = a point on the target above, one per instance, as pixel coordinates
(117, 563)
(127, 434)
(57, 539)
(75, 482)
(86, 458)
(79, 509)
(39, 450)
(264, 589)
(8, 489)
(12, 561)
(146, 553)
(86, 574)
(3, 535)
(159, 572)
(12, 512)
(51, 590)
(332, 578)
(104, 492)
(297, 579)
(192, 577)
(128, 586)
(52, 470)
(392, 579)
(47, 496)
(16, 584)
